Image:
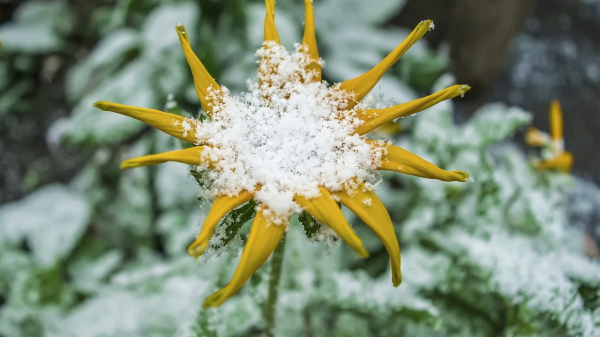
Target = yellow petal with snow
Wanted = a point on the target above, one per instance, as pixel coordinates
(399, 160)
(263, 239)
(535, 137)
(202, 79)
(563, 162)
(270, 29)
(190, 156)
(363, 84)
(367, 206)
(326, 210)
(556, 120)
(374, 118)
(310, 39)
(220, 207)
(171, 124)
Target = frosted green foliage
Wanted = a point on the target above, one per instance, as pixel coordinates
(108, 56)
(342, 27)
(178, 228)
(172, 179)
(506, 233)
(133, 203)
(227, 234)
(37, 27)
(493, 257)
(133, 306)
(90, 272)
(51, 221)
(360, 13)
(86, 125)
(110, 74)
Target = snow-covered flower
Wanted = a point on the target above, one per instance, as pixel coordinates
(556, 158)
(292, 144)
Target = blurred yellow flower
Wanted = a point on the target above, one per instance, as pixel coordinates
(292, 144)
(557, 158)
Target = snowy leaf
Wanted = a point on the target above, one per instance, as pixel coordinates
(52, 220)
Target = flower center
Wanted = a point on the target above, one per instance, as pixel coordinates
(287, 135)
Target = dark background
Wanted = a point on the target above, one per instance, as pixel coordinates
(525, 53)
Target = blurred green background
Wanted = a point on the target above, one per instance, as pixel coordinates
(89, 250)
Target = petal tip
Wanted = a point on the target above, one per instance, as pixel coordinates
(101, 105)
(362, 252)
(426, 24)
(464, 175)
(196, 249)
(127, 164)
(216, 299)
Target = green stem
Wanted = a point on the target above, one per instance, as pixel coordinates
(274, 276)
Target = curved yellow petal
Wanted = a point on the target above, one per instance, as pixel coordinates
(399, 160)
(171, 124)
(310, 39)
(270, 29)
(374, 118)
(367, 206)
(563, 162)
(202, 79)
(326, 210)
(535, 137)
(363, 84)
(190, 156)
(556, 120)
(263, 239)
(220, 207)
(388, 129)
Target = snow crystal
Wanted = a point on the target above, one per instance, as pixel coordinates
(286, 136)
(327, 237)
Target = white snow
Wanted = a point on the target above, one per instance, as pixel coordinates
(287, 135)
(52, 219)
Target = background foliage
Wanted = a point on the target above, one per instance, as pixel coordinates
(95, 251)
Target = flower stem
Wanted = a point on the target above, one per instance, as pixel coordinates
(274, 276)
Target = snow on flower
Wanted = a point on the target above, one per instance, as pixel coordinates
(292, 143)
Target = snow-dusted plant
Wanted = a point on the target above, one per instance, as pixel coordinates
(292, 145)
(495, 256)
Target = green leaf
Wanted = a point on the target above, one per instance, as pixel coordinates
(310, 224)
(52, 220)
(201, 177)
(235, 219)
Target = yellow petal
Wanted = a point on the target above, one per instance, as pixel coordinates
(310, 38)
(376, 117)
(399, 160)
(220, 207)
(190, 156)
(202, 79)
(556, 120)
(326, 210)
(363, 84)
(388, 129)
(174, 125)
(535, 137)
(270, 29)
(263, 239)
(563, 162)
(367, 206)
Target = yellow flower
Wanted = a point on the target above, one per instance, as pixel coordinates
(303, 150)
(558, 158)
